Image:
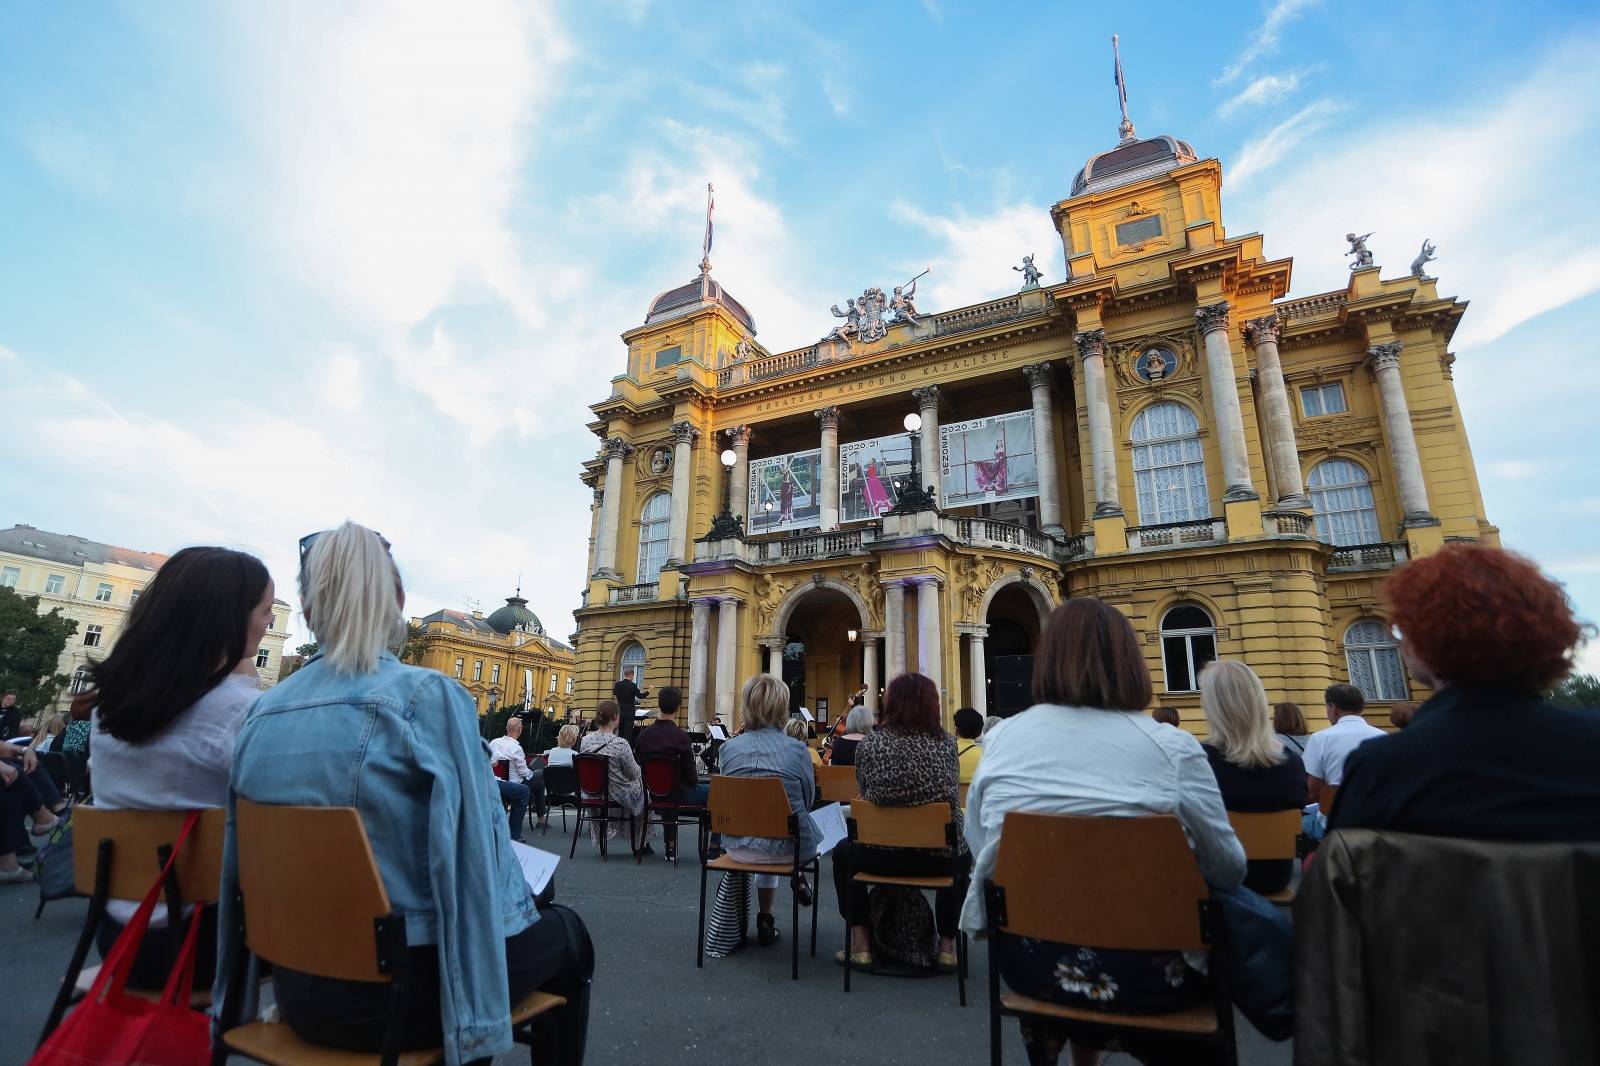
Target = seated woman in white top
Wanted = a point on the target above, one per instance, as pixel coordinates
(1087, 747)
(561, 754)
(168, 704)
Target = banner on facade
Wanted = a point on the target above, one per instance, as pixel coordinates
(987, 460)
(784, 492)
(872, 474)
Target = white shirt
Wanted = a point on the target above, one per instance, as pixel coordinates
(504, 749)
(1327, 750)
(1079, 760)
(558, 756)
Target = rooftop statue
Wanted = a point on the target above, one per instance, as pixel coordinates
(901, 302)
(1030, 273)
(845, 331)
(1358, 248)
(1424, 257)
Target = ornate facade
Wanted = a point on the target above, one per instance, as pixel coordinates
(1166, 429)
(504, 658)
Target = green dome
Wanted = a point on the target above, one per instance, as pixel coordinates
(515, 615)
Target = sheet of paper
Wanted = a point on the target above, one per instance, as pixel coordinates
(720, 732)
(829, 821)
(537, 866)
(808, 716)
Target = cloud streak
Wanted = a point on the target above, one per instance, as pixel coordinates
(1263, 91)
(1265, 38)
(1269, 149)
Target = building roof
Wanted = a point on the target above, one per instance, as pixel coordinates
(73, 551)
(1132, 160)
(703, 291)
(515, 613)
(460, 619)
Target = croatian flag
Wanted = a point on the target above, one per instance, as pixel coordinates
(711, 204)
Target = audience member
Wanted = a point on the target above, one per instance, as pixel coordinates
(838, 728)
(168, 705)
(1486, 757)
(969, 727)
(561, 754)
(521, 782)
(907, 761)
(857, 725)
(1253, 771)
(663, 736)
(627, 783)
(1087, 747)
(1401, 714)
(477, 940)
(1167, 716)
(628, 694)
(988, 726)
(10, 716)
(763, 750)
(796, 728)
(26, 791)
(47, 736)
(1290, 725)
(1328, 749)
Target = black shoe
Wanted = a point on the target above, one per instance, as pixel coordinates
(647, 850)
(802, 891)
(670, 855)
(766, 930)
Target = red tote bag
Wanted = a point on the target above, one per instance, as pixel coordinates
(112, 1028)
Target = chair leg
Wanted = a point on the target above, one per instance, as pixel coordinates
(794, 930)
(816, 877)
(576, 833)
(847, 954)
(994, 1001)
(961, 967)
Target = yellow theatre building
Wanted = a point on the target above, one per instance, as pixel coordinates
(506, 658)
(1234, 469)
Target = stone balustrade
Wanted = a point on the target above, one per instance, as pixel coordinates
(644, 593)
(990, 533)
(1178, 534)
(1382, 556)
(1288, 523)
(978, 316)
(1326, 305)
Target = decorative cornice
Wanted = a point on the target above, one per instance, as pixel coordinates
(1212, 317)
(684, 432)
(738, 436)
(828, 416)
(1264, 330)
(1385, 356)
(1091, 342)
(616, 448)
(1038, 375)
(927, 396)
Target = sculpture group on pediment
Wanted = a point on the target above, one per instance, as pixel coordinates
(864, 316)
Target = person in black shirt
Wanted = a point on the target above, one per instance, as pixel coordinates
(1486, 758)
(628, 696)
(10, 717)
(1253, 769)
(664, 737)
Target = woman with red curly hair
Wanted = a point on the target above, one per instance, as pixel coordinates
(1486, 757)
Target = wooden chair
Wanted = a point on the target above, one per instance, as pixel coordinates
(925, 827)
(660, 774)
(594, 800)
(756, 807)
(963, 789)
(836, 784)
(1269, 835)
(116, 854)
(313, 900)
(1135, 886)
(1325, 798)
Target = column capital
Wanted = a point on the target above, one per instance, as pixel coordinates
(1038, 375)
(616, 448)
(925, 579)
(1091, 342)
(1264, 330)
(927, 396)
(1385, 356)
(828, 416)
(684, 432)
(599, 496)
(1213, 317)
(702, 603)
(738, 436)
(891, 584)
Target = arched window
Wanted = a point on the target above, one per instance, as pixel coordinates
(1188, 642)
(1341, 500)
(1373, 656)
(1169, 470)
(632, 659)
(655, 519)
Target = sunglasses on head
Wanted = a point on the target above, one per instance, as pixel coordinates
(311, 538)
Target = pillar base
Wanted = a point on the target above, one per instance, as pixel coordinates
(1055, 530)
(1424, 539)
(1111, 535)
(1418, 520)
(606, 574)
(1294, 503)
(1239, 493)
(1243, 517)
(1106, 509)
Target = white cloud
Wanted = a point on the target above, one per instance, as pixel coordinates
(1267, 89)
(1587, 661)
(1276, 144)
(1516, 469)
(935, 12)
(837, 95)
(342, 380)
(1265, 38)
(978, 252)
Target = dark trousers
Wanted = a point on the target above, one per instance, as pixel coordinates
(13, 834)
(698, 795)
(36, 789)
(552, 955)
(515, 795)
(854, 905)
(158, 951)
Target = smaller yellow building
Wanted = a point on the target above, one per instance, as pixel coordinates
(504, 658)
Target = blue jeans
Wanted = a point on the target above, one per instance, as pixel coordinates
(517, 796)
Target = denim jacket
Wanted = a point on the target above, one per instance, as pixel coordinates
(400, 745)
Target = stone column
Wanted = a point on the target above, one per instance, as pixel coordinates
(928, 407)
(1102, 448)
(699, 657)
(739, 489)
(894, 629)
(1262, 334)
(929, 637)
(829, 518)
(727, 658)
(1044, 446)
(1225, 413)
(979, 670)
(684, 436)
(774, 648)
(869, 670)
(616, 449)
(1384, 361)
(595, 511)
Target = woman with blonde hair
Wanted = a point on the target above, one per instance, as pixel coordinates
(561, 754)
(796, 728)
(1255, 771)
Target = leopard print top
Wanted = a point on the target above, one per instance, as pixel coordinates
(907, 769)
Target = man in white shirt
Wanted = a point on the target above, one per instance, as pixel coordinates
(1327, 750)
(508, 749)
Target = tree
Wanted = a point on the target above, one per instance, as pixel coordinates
(30, 647)
(1580, 691)
(414, 647)
(306, 651)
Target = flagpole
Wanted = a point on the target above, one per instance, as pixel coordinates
(1125, 129)
(705, 256)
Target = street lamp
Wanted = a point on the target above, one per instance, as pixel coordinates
(915, 498)
(850, 635)
(726, 526)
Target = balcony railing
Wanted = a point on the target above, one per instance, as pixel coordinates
(968, 318)
(1080, 545)
(634, 593)
(989, 533)
(1366, 557)
(1288, 523)
(1178, 534)
(796, 547)
(1323, 306)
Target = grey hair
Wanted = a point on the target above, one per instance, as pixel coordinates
(766, 702)
(859, 720)
(1235, 706)
(352, 597)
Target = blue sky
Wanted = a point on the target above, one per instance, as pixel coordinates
(266, 266)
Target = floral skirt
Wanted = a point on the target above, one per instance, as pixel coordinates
(1127, 982)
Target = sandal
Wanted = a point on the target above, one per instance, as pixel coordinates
(766, 930)
(859, 960)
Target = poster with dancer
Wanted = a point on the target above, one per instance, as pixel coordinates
(783, 492)
(872, 474)
(987, 460)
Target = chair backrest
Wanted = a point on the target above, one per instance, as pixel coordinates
(135, 836)
(501, 769)
(750, 807)
(927, 825)
(560, 781)
(660, 776)
(1325, 797)
(311, 888)
(1268, 834)
(837, 784)
(962, 789)
(594, 774)
(1113, 883)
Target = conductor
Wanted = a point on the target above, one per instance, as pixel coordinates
(628, 695)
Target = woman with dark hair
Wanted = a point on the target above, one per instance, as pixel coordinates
(622, 769)
(1290, 725)
(1486, 757)
(1087, 747)
(168, 705)
(907, 761)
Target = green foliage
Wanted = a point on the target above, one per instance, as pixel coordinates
(308, 650)
(414, 647)
(1581, 691)
(30, 647)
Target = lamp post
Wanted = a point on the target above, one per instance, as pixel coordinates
(915, 497)
(726, 526)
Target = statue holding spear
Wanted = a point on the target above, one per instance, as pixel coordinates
(901, 302)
